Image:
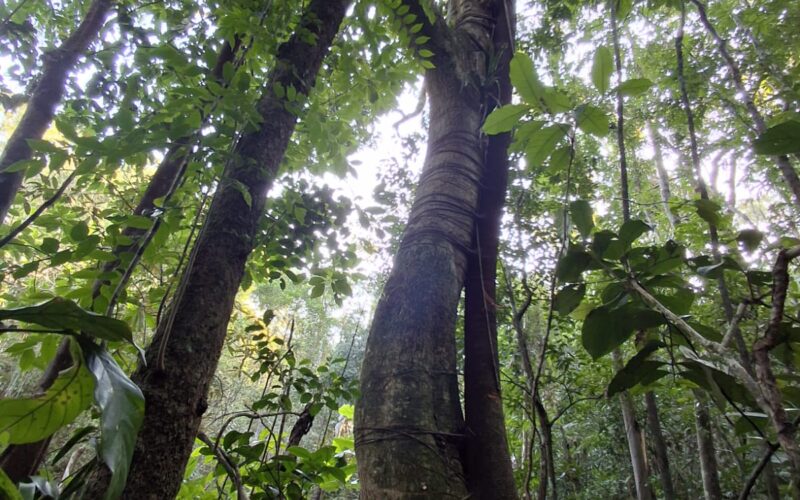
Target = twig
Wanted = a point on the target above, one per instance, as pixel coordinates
(44, 206)
(227, 464)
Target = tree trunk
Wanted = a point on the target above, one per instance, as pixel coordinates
(183, 355)
(660, 445)
(633, 431)
(706, 450)
(487, 461)
(46, 96)
(409, 427)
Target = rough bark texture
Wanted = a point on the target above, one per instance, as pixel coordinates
(706, 450)
(487, 461)
(46, 96)
(182, 358)
(784, 427)
(409, 427)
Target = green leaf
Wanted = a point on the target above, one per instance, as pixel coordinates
(79, 231)
(347, 411)
(750, 238)
(592, 120)
(781, 139)
(317, 290)
(34, 419)
(543, 142)
(635, 370)
(62, 314)
(708, 211)
(602, 67)
(631, 230)
(634, 86)
(504, 119)
(568, 298)
(606, 328)
(524, 79)
(7, 488)
(572, 264)
(122, 410)
(581, 213)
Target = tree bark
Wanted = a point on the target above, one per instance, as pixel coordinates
(706, 450)
(409, 426)
(487, 461)
(183, 355)
(46, 96)
(660, 445)
(633, 432)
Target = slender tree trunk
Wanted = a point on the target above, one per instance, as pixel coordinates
(183, 356)
(21, 461)
(487, 461)
(759, 124)
(633, 431)
(409, 427)
(663, 177)
(706, 449)
(46, 96)
(660, 445)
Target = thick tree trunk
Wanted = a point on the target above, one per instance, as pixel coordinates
(46, 96)
(487, 461)
(409, 427)
(706, 450)
(183, 356)
(21, 461)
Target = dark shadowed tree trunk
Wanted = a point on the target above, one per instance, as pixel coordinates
(633, 431)
(487, 461)
(706, 449)
(46, 96)
(21, 461)
(409, 426)
(183, 355)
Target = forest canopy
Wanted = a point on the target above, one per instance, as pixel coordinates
(399, 249)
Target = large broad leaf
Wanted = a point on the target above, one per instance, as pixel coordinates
(708, 211)
(634, 86)
(568, 298)
(602, 67)
(34, 419)
(504, 119)
(63, 314)
(606, 328)
(581, 213)
(782, 139)
(719, 384)
(636, 370)
(543, 142)
(592, 120)
(524, 79)
(122, 406)
(631, 230)
(572, 265)
(750, 238)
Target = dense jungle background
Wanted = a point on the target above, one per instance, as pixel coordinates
(399, 249)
